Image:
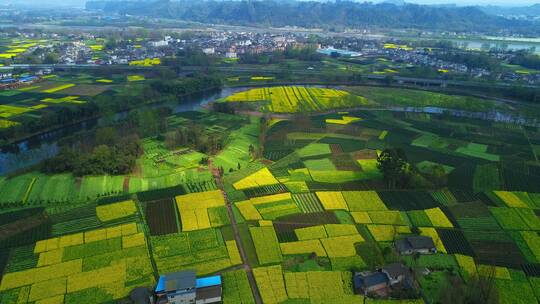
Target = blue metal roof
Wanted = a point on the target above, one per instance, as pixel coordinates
(370, 280)
(161, 284)
(208, 281)
(27, 78)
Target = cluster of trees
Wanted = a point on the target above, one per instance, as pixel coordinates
(112, 149)
(398, 173)
(187, 86)
(190, 57)
(470, 59)
(195, 136)
(119, 158)
(527, 60)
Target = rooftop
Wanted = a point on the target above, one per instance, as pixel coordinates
(176, 281)
(208, 281)
(371, 279)
(396, 269)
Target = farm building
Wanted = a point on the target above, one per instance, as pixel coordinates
(379, 283)
(415, 244)
(183, 287)
(371, 283)
(397, 273)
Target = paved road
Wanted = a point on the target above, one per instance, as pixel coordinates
(245, 263)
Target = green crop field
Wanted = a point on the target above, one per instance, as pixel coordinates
(311, 198)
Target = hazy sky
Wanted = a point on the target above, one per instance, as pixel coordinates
(459, 2)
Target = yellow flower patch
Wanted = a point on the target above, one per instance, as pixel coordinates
(50, 257)
(71, 240)
(115, 211)
(234, 254)
(510, 199)
(27, 277)
(54, 300)
(193, 208)
(58, 88)
(263, 223)
(340, 229)
(248, 211)
(345, 120)
(311, 233)
(134, 240)
(297, 285)
(260, 178)
(494, 271)
(361, 217)
(271, 284)
(134, 78)
(466, 263)
(438, 218)
(341, 246)
(98, 277)
(332, 200)
(387, 233)
(48, 289)
(5, 124)
(303, 247)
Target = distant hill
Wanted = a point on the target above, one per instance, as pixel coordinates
(532, 10)
(318, 14)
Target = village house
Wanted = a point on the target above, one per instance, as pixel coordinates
(415, 244)
(184, 288)
(371, 283)
(379, 283)
(397, 273)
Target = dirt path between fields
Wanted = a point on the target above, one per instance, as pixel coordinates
(245, 263)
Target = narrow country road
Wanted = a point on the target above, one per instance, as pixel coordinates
(245, 264)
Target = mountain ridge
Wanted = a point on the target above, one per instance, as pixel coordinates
(319, 14)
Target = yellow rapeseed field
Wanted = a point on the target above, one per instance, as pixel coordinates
(438, 218)
(271, 284)
(262, 177)
(345, 120)
(234, 254)
(114, 211)
(332, 200)
(34, 275)
(295, 99)
(510, 199)
(303, 247)
(361, 217)
(58, 88)
(387, 233)
(248, 211)
(193, 208)
(134, 240)
(341, 246)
